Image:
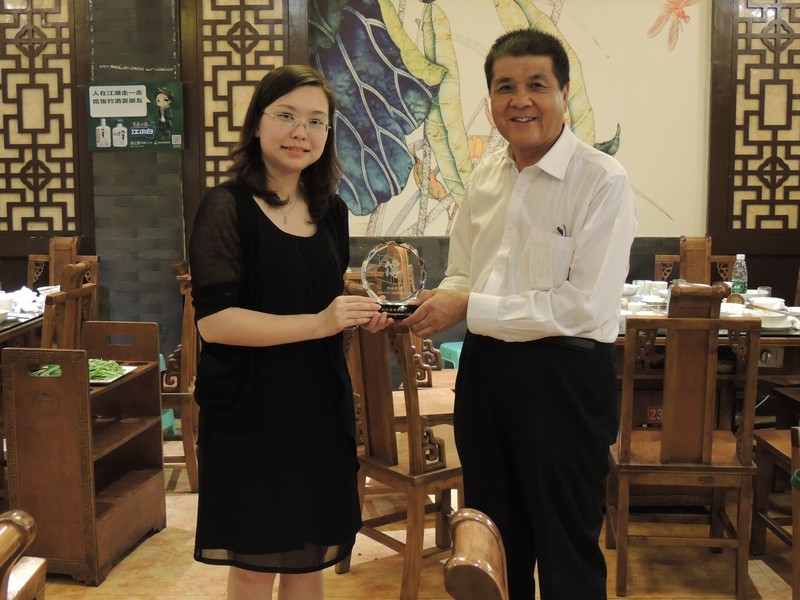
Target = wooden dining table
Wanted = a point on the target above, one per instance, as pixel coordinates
(779, 355)
(21, 331)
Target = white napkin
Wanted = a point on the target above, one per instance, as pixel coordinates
(27, 301)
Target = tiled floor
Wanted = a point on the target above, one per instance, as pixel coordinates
(162, 567)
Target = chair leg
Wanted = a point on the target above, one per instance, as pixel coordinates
(444, 501)
(189, 440)
(744, 508)
(717, 527)
(621, 534)
(611, 508)
(415, 531)
(758, 531)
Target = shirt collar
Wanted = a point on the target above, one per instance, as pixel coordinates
(556, 161)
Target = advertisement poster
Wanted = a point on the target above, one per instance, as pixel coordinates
(132, 116)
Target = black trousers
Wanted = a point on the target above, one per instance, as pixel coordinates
(533, 423)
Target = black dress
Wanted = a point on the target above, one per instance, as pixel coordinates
(276, 446)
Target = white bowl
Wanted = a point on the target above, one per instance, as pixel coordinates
(3, 314)
(767, 302)
(771, 319)
(658, 286)
(629, 289)
(636, 307)
(731, 308)
(793, 310)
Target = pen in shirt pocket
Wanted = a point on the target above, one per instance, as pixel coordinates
(562, 230)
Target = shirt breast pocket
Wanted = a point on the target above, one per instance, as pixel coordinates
(545, 260)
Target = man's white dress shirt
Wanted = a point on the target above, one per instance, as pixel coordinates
(544, 251)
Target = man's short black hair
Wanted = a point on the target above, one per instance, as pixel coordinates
(529, 42)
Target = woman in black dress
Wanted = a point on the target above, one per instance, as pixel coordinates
(276, 447)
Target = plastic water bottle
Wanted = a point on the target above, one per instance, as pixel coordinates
(739, 276)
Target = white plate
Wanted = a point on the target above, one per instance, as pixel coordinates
(653, 299)
(793, 310)
(125, 370)
(646, 313)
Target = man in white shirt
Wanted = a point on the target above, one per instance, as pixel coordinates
(538, 255)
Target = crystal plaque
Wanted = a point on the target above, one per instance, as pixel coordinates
(393, 274)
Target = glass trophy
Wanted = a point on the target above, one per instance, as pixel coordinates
(393, 274)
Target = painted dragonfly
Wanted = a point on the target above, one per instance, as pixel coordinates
(674, 12)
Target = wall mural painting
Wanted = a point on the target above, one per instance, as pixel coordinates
(408, 133)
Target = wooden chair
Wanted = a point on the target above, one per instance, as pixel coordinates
(418, 462)
(63, 251)
(687, 452)
(695, 301)
(477, 568)
(436, 392)
(694, 262)
(177, 380)
(795, 514)
(435, 404)
(126, 341)
(22, 577)
(66, 310)
(777, 449)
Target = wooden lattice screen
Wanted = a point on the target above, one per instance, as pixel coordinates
(239, 42)
(231, 45)
(38, 143)
(754, 192)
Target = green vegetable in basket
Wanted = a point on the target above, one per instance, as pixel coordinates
(100, 369)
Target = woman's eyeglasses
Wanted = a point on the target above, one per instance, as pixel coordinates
(289, 121)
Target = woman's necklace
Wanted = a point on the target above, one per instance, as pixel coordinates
(286, 211)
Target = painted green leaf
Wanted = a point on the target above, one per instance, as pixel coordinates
(381, 101)
(444, 127)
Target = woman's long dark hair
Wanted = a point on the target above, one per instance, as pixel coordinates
(319, 180)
